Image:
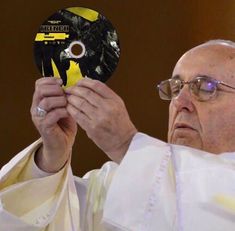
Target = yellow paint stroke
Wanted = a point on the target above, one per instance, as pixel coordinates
(51, 36)
(86, 13)
(73, 73)
(226, 202)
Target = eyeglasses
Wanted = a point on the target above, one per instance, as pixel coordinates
(203, 88)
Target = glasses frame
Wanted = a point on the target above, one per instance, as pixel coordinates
(182, 82)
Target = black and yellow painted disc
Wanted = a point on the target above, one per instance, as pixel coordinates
(74, 43)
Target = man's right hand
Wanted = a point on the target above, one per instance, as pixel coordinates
(57, 128)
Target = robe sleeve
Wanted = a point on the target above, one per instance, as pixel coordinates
(33, 200)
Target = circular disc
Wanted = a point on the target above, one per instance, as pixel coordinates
(74, 43)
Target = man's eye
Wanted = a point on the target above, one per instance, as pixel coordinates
(174, 89)
(206, 86)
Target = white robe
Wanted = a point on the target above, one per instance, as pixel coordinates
(157, 186)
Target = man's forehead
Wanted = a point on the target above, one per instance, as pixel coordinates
(207, 59)
(218, 50)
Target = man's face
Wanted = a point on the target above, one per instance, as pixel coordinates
(207, 125)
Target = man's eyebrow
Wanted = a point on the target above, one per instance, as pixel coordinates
(175, 77)
(207, 76)
(198, 75)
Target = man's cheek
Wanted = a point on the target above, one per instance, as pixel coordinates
(212, 132)
(171, 115)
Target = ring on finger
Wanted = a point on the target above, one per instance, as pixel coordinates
(40, 112)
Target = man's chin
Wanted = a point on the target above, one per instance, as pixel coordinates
(185, 141)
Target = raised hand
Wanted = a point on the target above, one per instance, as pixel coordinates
(103, 115)
(56, 127)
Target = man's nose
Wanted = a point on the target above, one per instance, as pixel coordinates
(183, 101)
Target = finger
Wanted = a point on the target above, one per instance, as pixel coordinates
(97, 86)
(48, 81)
(52, 118)
(50, 103)
(82, 105)
(46, 91)
(82, 119)
(92, 97)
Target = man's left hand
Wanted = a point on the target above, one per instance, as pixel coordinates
(103, 115)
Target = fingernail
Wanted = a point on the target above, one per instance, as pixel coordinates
(86, 77)
(59, 81)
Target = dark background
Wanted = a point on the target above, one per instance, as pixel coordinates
(153, 35)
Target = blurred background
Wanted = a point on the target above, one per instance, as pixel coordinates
(153, 35)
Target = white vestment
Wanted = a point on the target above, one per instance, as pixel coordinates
(157, 187)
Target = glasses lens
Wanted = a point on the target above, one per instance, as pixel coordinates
(164, 90)
(203, 88)
(176, 86)
(169, 88)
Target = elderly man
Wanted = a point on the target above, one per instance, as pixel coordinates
(180, 185)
